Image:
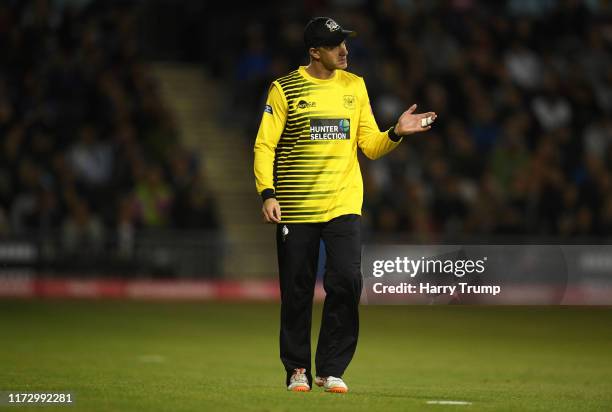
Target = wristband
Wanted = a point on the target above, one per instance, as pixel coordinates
(394, 137)
(267, 194)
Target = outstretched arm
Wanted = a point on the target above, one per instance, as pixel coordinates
(375, 143)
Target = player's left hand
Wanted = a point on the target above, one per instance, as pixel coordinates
(410, 122)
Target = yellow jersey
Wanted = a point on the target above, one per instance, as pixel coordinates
(306, 146)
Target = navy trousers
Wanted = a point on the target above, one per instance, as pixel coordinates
(298, 253)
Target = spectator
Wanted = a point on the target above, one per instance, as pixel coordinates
(82, 231)
(152, 198)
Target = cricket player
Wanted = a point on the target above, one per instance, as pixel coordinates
(308, 176)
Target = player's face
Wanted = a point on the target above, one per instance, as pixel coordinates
(334, 57)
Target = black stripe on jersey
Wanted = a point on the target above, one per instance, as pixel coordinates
(288, 142)
(300, 202)
(298, 189)
(307, 159)
(283, 158)
(306, 193)
(304, 179)
(295, 118)
(301, 196)
(302, 130)
(304, 91)
(296, 150)
(305, 165)
(293, 175)
(304, 172)
(316, 142)
(295, 81)
(294, 115)
(317, 157)
(292, 203)
(284, 154)
(286, 184)
(287, 163)
(289, 191)
(300, 199)
(287, 148)
(302, 150)
(300, 94)
(307, 170)
(293, 125)
(298, 86)
(289, 159)
(295, 87)
(296, 219)
(299, 192)
(291, 128)
(288, 187)
(290, 214)
(302, 126)
(306, 209)
(292, 75)
(292, 138)
(288, 145)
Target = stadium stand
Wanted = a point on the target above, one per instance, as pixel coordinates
(90, 154)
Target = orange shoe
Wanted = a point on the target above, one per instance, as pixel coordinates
(298, 381)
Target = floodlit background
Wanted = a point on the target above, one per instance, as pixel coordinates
(127, 128)
(126, 187)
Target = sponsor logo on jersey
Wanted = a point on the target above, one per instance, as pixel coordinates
(330, 129)
(268, 109)
(349, 101)
(303, 104)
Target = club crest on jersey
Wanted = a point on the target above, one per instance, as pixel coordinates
(330, 129)
(332, 25)
(349, 101)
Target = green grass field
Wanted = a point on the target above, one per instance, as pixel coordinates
(146, 356)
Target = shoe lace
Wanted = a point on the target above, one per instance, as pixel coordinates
(299, 375)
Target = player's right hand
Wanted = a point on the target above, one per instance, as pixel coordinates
(410, 122)
(271, 211)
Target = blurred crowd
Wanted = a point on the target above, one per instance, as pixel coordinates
(522, 89)
(88, 151)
